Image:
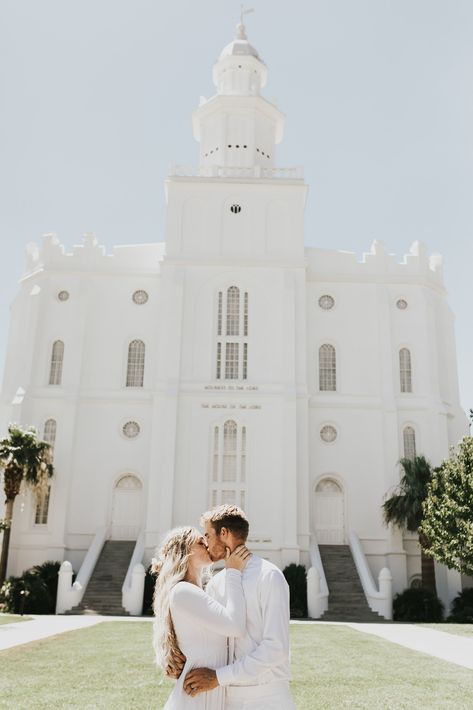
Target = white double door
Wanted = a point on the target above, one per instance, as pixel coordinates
(126, 509)
(329, 513)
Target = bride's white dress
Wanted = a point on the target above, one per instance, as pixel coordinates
(202, 626)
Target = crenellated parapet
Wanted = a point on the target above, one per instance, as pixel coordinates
(91, 256)
(377, 264)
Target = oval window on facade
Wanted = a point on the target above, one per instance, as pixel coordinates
(131, 429)
(326, 302)
(328, 433)
(140, 297)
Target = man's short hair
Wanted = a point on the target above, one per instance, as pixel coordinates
(227, 516)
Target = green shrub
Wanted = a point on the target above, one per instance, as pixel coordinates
(462, 608)
(296, 577)
(150, 581)
(34, 592)
(417, 605)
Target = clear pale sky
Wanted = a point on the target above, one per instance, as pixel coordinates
(96, 99)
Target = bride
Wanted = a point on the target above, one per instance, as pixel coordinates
(188, 619)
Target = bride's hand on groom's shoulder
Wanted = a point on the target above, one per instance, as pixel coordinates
(175, 665)
(238, 558)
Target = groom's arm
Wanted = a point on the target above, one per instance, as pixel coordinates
(272, 650)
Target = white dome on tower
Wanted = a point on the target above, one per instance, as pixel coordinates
(240, 46)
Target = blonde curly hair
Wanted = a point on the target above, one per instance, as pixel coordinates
(170, 566)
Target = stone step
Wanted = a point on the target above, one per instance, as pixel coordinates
(103, 594)
(347, 601)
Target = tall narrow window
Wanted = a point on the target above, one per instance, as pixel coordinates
(49, 431)
(233, 311)
(43, 496)
(409, 437)
(327, 368)
(405, 370)
(136, 364)
(232, 335)
(42, 506)
(57, 359)
(229, 464)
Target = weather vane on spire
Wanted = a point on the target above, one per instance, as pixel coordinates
(244, 12)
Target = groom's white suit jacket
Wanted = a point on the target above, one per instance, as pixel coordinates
(262, 655)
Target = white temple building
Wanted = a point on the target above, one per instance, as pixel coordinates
(230, 363)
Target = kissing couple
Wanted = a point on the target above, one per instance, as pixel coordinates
(227, 645)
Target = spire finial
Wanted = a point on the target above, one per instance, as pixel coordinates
(241, 33)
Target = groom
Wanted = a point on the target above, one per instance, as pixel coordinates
(257, 675)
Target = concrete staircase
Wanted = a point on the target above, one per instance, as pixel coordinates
(346, 601)
(104, 591)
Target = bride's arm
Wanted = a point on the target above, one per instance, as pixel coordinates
(228, 620)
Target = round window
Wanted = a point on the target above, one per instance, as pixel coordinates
(131, 429)
(401, 304)
(140, 297)
(328, 433)
(326, 302)
(63, 295)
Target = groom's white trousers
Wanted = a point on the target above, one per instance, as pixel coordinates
(274, 696)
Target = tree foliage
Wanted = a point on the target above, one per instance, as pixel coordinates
(404, 509)
(25, 460)
(448, 510)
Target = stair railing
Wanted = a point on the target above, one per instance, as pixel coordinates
(68, 594)
(134, 584)
(317, 589)
(379, 601)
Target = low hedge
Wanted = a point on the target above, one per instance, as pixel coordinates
(34, 592)
(419, 605)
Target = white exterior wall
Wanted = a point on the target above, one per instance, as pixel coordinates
(208, 249)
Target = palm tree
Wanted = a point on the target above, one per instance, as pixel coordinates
(26, 460)
(404, 509)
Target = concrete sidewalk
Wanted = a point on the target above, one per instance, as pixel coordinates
(43, 626)
(440, 644)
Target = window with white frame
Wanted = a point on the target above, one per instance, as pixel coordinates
(405, 370)
(327, 368)
(57, 359)
(232, 335)
(136, 364)
(43, 495)
(409, 437)
(229, 464)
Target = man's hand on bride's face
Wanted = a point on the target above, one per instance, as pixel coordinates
(238, 558)
(199, 680)
(175, 665)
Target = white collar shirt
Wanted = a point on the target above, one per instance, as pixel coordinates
(262, 655)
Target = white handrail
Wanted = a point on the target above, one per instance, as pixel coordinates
(133, 586)
(68, 594)
(380, 601)
(317, 588)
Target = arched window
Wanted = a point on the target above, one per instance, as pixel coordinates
(232, 335)
(136, 364)
(43, 495)
(49, 431)
(229, 464)
(409, 437)
(405, 370)
(57, 359)
(327, 368)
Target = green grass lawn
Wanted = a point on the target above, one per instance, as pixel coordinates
(110, 666)
(459, 629)
(12, 618)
